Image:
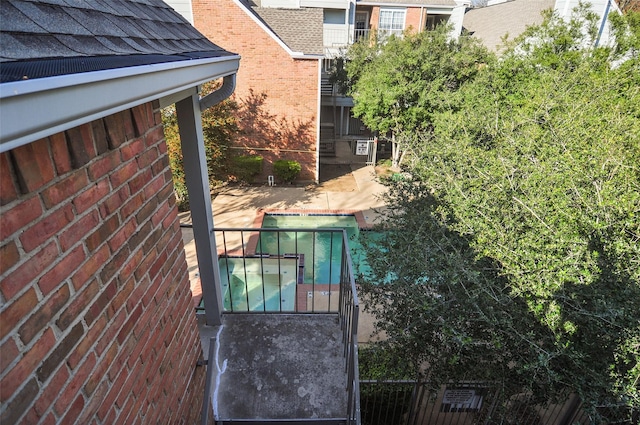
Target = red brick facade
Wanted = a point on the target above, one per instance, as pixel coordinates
(291, 85)
(415, 18)
(97, 324)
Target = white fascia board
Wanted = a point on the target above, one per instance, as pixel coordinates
(33, 109)
(326, 4)
(441, 10)
(303, 56)
(383, 4)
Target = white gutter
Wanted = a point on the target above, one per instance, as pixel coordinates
(384, 4)
(318, 111)
(34, 109)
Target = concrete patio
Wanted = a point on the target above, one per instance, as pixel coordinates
(284, 366)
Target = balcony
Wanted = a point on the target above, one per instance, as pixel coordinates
(286, 351)
(336, 38)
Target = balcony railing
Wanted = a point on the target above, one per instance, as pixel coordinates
(365, 34)
(294, 271)
(336, 37)
(361, 34)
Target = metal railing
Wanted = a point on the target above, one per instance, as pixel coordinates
(294, 271)
(410, 402)
(362, 34)
(336, 37)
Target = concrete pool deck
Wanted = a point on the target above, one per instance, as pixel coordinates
(238, 207)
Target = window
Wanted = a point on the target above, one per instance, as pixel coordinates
(334, 16)
(391, 21)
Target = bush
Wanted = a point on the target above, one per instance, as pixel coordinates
(286, 170)
(246, 168)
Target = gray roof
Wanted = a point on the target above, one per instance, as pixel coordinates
(491, 23)
(300, 29)
(55, 37)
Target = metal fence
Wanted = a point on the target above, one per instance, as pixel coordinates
(396, 402)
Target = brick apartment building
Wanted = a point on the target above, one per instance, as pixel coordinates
(287, 47)
(96, 316)
(286, 71)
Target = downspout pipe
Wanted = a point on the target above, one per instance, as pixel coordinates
(605, 16)
(226, 90)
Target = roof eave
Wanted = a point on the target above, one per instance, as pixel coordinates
(34, 109)
(391, 4)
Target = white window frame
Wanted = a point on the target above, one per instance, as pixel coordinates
(397, 15)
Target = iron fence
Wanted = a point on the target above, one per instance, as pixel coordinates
(409, 402)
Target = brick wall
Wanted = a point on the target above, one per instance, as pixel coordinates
(414, 19)
(97, 324)
(291, 85)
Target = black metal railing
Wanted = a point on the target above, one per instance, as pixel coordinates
(411, 402)
(294, 271)
(284, 270)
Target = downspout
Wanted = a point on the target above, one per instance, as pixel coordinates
(604, 22)
(217, 96)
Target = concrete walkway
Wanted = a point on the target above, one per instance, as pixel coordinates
(237, 207)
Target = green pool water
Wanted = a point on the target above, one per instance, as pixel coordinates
(258, 284)
(242, 277)
(323, 251)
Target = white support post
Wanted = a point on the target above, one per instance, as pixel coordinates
(197, 180)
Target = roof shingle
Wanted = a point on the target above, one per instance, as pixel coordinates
(300, 29)
(118, 33)
(491, 23)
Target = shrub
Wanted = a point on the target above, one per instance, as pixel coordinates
(286, 170)
(246, 168)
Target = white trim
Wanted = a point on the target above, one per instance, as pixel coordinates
(33, 109)
(318, 111)
(408, 5)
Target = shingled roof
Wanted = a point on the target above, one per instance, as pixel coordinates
(64, 63)
(491, 23)
(57, 37)
(299, 29)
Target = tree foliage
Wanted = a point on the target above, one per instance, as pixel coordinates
(513, 253)
(219, 127)
(399, 83)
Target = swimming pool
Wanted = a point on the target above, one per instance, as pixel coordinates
(258, 283)
(325, 249)
(276, 269)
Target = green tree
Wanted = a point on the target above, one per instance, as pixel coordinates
(219, 127)
(399, 83)
(513, 254)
